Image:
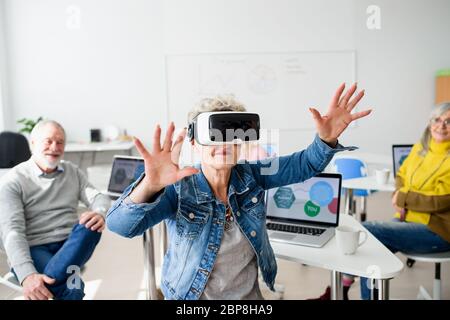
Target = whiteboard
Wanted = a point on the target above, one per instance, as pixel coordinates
(279, 86)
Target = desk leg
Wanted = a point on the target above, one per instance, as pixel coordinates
(81, 159)
(336, 285)
(349, 208)
(149, 265)
(383, 289)
(94, 153)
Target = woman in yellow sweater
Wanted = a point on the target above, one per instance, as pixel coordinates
(421, 199)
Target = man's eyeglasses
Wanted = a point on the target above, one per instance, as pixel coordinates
(439, 122)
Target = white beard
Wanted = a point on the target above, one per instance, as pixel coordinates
(48, 164)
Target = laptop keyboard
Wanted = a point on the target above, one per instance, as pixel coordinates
(295, 229)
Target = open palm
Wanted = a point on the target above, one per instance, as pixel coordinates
(161, 165)
(339, 114)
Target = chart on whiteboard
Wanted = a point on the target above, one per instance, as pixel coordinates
(279, 86)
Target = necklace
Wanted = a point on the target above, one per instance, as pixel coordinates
(228, 218)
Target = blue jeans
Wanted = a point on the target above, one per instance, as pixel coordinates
(53, 260)
(405, 237)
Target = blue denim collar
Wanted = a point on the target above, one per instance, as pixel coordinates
(202, 190)
(239, 182)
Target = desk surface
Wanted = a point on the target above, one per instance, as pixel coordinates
(98, 146)
(367, 157)
(371, 260)
(368, 183)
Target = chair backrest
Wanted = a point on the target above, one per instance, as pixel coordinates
(14, 149)
(352, 168)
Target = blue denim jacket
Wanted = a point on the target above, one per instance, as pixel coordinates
(195, 218)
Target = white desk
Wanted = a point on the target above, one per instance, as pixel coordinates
(372, 260)
(95, 147)
(367, 183)
(98, 146)
(367, 157)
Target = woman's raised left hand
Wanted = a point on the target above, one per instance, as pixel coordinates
(339, 115)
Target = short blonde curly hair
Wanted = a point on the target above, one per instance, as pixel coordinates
(218, 103)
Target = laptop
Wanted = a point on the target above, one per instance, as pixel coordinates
(399, 153)
(125, 170)
(305, 213)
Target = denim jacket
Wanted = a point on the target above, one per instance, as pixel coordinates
(195, 218)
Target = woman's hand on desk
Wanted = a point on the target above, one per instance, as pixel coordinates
(339, 116)
(161, 164)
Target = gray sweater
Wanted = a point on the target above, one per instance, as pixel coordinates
(38, 208)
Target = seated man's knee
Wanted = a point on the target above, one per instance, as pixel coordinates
(86, 234)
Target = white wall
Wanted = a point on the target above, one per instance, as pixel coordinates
(111, 70)
(3, 91)
(397, 65)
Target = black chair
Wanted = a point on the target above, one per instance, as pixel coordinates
(14, 149)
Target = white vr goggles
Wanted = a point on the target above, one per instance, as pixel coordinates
(224, 127)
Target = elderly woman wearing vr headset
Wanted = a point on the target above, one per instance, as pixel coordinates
(215, 215)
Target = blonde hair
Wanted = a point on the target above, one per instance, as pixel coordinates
(438, 111)
(218, 103)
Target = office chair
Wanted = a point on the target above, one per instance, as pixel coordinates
(437, 259)
(351, 168)
(8, 279)
(14, 149)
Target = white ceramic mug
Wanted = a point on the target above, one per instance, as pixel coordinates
(348, 239)
(382, 176)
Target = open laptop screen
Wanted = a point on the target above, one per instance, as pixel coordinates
(399, 153)
(125, 171)
(315, 200)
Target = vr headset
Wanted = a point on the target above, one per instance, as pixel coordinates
(224, 127)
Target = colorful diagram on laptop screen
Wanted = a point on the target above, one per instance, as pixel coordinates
(315, 199)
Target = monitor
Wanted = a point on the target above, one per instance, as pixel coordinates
(399, 153)
(125, 171)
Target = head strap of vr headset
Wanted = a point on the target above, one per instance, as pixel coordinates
(190, 131)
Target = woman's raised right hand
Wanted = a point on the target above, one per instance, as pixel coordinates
(161, 164)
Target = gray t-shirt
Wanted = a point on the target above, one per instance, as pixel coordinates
(38, 208)
(235, 272)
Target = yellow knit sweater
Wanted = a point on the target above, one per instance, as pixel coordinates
(424, 187)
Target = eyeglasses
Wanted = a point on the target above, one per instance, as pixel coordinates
(439, 121)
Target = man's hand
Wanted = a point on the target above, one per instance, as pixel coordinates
(339, 115)
(34, 287)
(92, 220)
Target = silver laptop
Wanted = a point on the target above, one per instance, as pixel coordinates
(305, 213)
(399, 153)
(125, 170)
